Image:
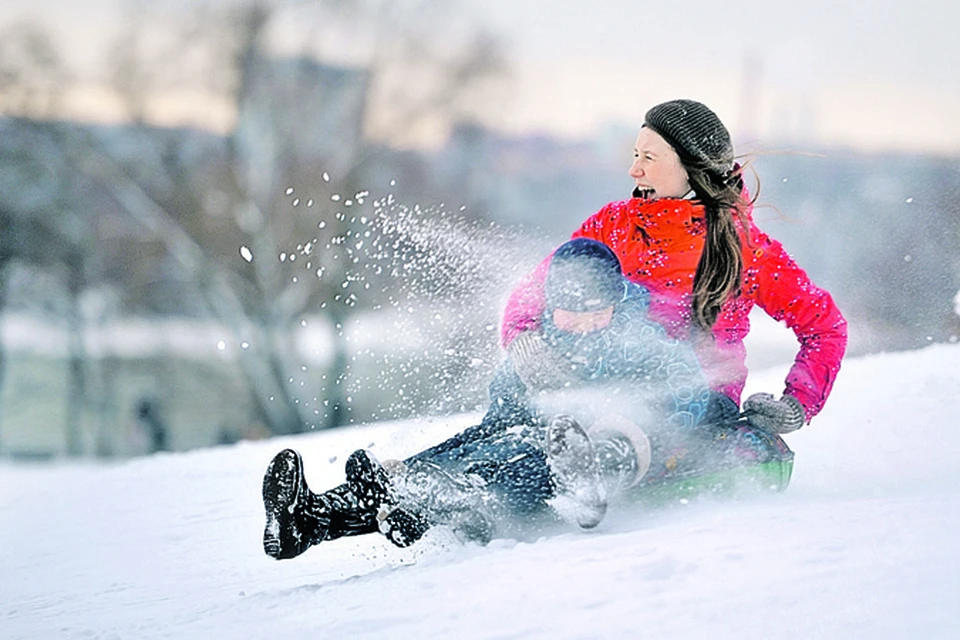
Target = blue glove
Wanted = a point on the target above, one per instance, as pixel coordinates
(776, 416)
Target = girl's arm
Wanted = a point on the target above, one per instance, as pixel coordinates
(785, 292)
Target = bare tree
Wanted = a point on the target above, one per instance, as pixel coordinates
(33, 76)
(297, 119)
(33, 81)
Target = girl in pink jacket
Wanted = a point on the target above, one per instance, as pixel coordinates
(687, 235)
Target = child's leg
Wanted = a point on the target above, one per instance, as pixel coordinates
(298, 518)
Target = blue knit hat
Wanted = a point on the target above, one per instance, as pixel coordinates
(584, 275)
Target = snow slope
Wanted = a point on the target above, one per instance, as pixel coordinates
(863, 544)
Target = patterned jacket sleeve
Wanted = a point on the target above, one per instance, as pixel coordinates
(785, 292)
(671, 366)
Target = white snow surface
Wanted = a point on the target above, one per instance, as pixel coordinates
(862, 545)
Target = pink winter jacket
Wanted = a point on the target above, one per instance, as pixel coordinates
(659, 243)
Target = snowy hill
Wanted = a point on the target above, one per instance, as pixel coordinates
(862, 545)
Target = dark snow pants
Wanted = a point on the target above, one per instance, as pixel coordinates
(509, 460)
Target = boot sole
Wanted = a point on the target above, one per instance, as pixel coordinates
(282, 484)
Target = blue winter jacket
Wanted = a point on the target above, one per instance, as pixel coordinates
(631, 367)
(632, 363)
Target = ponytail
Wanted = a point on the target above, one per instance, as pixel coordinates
(719, 272)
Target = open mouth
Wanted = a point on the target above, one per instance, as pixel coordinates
(644, 193)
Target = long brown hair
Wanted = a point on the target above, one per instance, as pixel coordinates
(720, 269)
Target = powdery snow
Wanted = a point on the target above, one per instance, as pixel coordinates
(862, 545)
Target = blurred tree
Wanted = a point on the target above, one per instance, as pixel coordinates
(879, 232)
(296, 118)
(33, 77)
(41, 226)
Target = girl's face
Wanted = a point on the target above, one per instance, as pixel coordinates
(656, 170)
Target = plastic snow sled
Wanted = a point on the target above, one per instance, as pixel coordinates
(739, 459)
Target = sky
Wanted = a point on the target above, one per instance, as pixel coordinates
(877, 75)
(862, 545)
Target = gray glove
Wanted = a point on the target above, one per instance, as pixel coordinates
(538, 366)
(776, 416)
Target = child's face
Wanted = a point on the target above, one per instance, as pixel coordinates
(581, 321)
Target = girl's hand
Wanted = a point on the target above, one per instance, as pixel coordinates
(777, 416)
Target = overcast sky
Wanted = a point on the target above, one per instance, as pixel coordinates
(878, 74)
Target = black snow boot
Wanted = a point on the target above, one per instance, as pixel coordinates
(418, 496)
(371, 484)
(297, 518)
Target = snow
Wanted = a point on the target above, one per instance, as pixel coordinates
(862, 545)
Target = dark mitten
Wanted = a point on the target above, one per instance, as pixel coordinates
(776, 416)
(721, 409)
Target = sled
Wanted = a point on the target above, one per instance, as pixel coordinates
(761, 462)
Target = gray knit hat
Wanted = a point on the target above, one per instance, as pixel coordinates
(695, 133)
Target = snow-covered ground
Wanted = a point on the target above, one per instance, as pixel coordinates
(862, 545)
